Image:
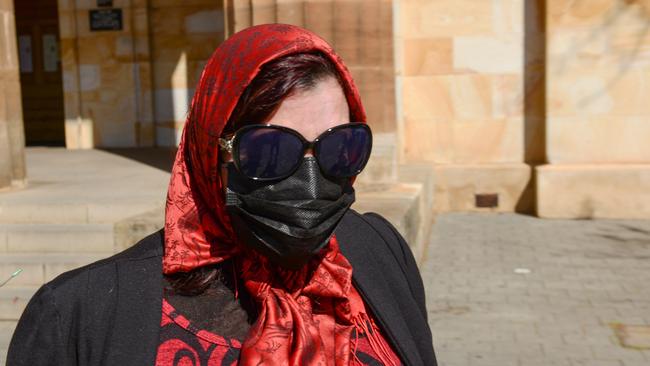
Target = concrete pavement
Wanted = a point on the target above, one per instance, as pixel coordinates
(516, 290)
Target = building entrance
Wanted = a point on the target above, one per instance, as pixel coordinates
(37, 28)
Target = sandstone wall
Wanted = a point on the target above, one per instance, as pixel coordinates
(106, 77)
(12, 140)
(183, 36)
(598, 82)
(359, 30)
(461, 81)
(131, 87)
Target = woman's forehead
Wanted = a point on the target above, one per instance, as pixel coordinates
(312, 111)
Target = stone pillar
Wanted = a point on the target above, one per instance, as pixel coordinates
(12, 139)
(598, 72)
(460, 72)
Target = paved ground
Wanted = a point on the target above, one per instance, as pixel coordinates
(585, 277)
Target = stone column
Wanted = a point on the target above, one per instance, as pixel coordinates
(597, 133)
(460, 70)
(12, 138)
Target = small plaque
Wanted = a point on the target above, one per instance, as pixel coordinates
(105, 19)
(490, 200)
(25, 53)
(50, 53)
(104, 3)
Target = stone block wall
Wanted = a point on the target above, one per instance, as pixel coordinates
(598, 115)
(12, 140)
(131, 87)
(361, 32)
(183, 36)
(106, 77)
(598, 81)
(460, 67)
(461, 70)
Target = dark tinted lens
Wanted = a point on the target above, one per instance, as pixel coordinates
(268, 153)
(344, 151)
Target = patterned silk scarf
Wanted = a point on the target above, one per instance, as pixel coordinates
(306, 317)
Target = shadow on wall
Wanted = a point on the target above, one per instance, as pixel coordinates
(623, 60)
(183, 36)
(534, 98)
(603, 30)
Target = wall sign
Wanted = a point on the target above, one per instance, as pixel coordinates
(105, 19)
(50, 53)
(25, 53)
(104, 3)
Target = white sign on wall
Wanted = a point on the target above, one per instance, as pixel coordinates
(25, 53)
(50, 53)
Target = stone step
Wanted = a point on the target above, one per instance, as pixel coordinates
(56, 238)
(72, 213)
(13, 300)
(405, 199)
(43, 267)
(399, 203)
(6, 331)
(422, 174)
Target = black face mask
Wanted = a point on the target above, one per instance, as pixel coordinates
(290, 220)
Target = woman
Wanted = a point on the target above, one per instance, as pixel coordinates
(261, 262)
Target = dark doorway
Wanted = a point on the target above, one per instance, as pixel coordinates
(37, 28)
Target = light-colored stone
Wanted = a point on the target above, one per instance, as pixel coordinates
(52, 238)
(465, 142)
(399, 204)
(619, 140)
(593, 191)
(3, 242)
(12, 141)
(598, 72)
(6, 331)
(428, 56)
(426, 19)
(489, 55)
(456, 185)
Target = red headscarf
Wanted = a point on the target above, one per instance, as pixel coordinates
(305, 317)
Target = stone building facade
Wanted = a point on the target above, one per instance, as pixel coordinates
(541, 103)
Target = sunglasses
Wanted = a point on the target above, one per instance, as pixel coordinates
(269, 152)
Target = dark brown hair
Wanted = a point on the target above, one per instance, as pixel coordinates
(276, 81)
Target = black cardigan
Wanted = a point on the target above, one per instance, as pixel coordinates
(108, 313)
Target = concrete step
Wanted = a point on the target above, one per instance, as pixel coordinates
(43, 267)
(6, 331)
(405, 199)
(73, 213)
(382, 166)
(399, 203)
(422, 174)
(82, 186)
(56, 238)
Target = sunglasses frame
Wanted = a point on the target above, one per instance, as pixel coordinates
(231, 145)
